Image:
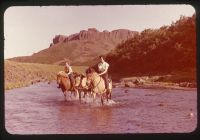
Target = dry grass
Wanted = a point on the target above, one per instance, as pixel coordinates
(23, 74)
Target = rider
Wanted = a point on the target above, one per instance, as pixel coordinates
(69, 71)
(103, 71)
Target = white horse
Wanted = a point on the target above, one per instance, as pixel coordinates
(97, 85)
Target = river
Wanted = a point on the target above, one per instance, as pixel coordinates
(41, 109)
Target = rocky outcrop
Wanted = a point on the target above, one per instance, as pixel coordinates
(58, 38)
(94, 34)
(122, 33)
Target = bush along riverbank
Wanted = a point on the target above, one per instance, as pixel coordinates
(18, 74)
(162, 57)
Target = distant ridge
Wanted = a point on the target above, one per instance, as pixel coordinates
(80, 48)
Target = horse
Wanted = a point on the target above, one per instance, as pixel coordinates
(97, 85)
(81, 84)
(64, 83)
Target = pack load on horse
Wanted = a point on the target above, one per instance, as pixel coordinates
(81, 84)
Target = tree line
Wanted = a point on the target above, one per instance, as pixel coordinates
(157, 51)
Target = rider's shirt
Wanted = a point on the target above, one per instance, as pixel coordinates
(69, 68)
(102, 66)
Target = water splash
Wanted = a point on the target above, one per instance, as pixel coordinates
(88, 100)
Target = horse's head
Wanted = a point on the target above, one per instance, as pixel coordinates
(58, 78)
(60, 75)
(91, 77)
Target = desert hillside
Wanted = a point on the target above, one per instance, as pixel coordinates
(80, 48)
(23, 74)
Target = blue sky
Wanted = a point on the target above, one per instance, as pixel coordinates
(29, 29)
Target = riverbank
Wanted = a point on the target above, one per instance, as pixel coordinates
(153, 82)
(24, 74)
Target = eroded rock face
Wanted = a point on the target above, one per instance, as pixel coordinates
(94, 34)
(58, 38)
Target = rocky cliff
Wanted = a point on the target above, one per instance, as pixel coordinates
(95, 35)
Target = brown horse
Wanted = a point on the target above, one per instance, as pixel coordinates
(97, 85)
(64, 83)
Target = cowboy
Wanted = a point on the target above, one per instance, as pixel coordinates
(69, 72)
(103, 71)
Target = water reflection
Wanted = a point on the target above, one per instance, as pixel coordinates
(100, 118)
(77, 117)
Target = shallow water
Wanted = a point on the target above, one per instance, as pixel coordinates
(41, 109)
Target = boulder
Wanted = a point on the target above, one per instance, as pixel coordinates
(138, 81)
(192, 85)
(129, 84)
(184, 84)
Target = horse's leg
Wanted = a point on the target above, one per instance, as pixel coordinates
(65, 94)
(107, 96)
(74, 93)
(94, 96)
(79, 94)
(110, 95)
(85, 92)
(102, 99)
(110, 89)
(71, 94)
(91, 94)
